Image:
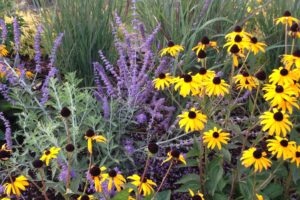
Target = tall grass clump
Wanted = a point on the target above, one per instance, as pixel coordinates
(86, 27)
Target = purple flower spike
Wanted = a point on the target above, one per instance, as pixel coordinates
(7, 130)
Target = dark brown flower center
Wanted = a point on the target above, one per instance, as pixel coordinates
(112, 173)
(187, 78)
(192, 115)
(216, 134)
(144, 180)
(175, 153)
(245, 74)
(238, 38)
(162, 76)
(202, 71)
(153, 147)
(254, 40)
(238, 29)
(47, 152)
(171, 43)
(279, 89)
(257, 154)
(284, 143)
(246, 82)
(95, 171)
(297, 154)
(201, 54)
(287, 13)
(85, 197)
(234, 49)
(205, 40)
(217, 80)
(278, 116)
(297, 53)
(89, 133)
(261, 75)
(294, 27)
(197, 197)
(284, 72)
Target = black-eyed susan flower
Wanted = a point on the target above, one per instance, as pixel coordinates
(187, 84)
(197, 196)
(236, 54)
(281, 96)
(114, 178)
(16, 185)
(294, 31)
(96, 174)
(276, 122)
(172, 49)
(257, 158)
(290, 60)
(283, 76)
(86, 197)
(238, 31)
(91, 136)
(281, 147)
(239, 41)
(215, 137)
(5, 153)
(3, 50)
(50, 154)
(193, 120)
(256, 46)
(246, 81)
(286, 19)
(203, 44)
(163, 80)
(145, 186)
(216, 86)
(175, 155)
(259, 197)
(296, 155)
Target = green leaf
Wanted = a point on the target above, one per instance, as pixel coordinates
(226, 154)
(164, 195)
(215, 173)
(188, 178)
(295, 173)
(273, 190)
(124, 194)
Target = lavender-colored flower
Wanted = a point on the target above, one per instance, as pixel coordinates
(3, 31)
(56, 44)
(1, 189)
(109, 87)
(4, 90)
(17, 34)
(45, 89)
(128, 146)
(37, 49)
(7, 130)
(141, 118)
(64, 173)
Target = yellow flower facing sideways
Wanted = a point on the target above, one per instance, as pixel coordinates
(257, 158)
(241, 42)
(198, 196)
(50, 154)
(291, 59)
(246, 81)
(17, 185)
(276, 122)
(96, 174)
(236, 54)
(91, 136)
(281, 147)
(175, 155)
(215, 138)
(3, 50)
(296, 155)
(163, 80)
(193, 120)
(256, 46)
(114, 178)
(203, 44)
(287, 19)
(145, 186)
(237, 31)
(172, 49)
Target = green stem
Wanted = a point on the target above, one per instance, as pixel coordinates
(286, 39)
(255, 101)
(143, 176)
(163, 180)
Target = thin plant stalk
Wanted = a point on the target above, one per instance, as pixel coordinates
(43, 184)
(164, 179)
(143, 176)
